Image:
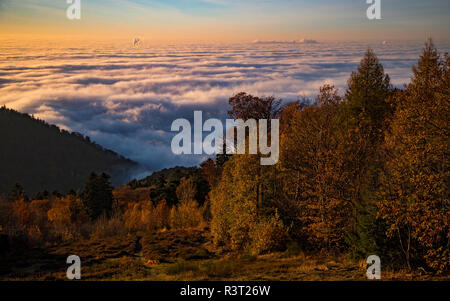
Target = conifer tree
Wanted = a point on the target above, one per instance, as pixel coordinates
(363, 119)
(97, 195)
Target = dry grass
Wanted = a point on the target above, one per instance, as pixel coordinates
(169, 246)
(183, 255)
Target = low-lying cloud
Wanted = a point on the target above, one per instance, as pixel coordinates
(125, 98)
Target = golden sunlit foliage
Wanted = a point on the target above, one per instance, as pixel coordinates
(146, 217)
(187, 213)
(366, 173)
(314, 181)
(238, 207)
(67, 215)
(415, 192)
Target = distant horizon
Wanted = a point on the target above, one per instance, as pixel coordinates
(147, 43)
(70, 39)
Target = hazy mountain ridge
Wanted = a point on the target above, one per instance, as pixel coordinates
(40, 156)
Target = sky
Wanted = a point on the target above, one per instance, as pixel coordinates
(227, 20)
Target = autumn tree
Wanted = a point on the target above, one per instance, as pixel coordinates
(67, 215)
(187, 213)
(245, 106)
(31, 217)
(141, 216)
(186, 190)
(240, 213)
(414, 193)
(314, 183)
(210, 171)
(162, 215)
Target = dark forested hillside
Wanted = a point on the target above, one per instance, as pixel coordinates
(40, 156)
(163, 184)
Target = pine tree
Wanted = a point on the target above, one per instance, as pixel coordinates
(363, 120)
(97, 195)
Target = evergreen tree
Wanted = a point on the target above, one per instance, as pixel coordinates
(363, 120)
(97, 195)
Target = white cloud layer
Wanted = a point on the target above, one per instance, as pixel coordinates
(126, 98)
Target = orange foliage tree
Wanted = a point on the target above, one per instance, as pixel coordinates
(314, 183)
(414, 196)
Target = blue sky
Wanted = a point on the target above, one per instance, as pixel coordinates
(236, 20)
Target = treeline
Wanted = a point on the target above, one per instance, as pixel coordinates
(164, 183)
(363, 173)
(40, 156)
(98, 210)
(53, 218)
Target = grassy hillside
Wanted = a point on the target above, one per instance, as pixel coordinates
(41, 157)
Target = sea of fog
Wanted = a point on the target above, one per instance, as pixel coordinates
(125, 97)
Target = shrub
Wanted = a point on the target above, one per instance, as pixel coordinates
(104, 227)
(268, 235)
(140, 217)
(186, 215)
(22, 213)
(68, 218)
(31, 219)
